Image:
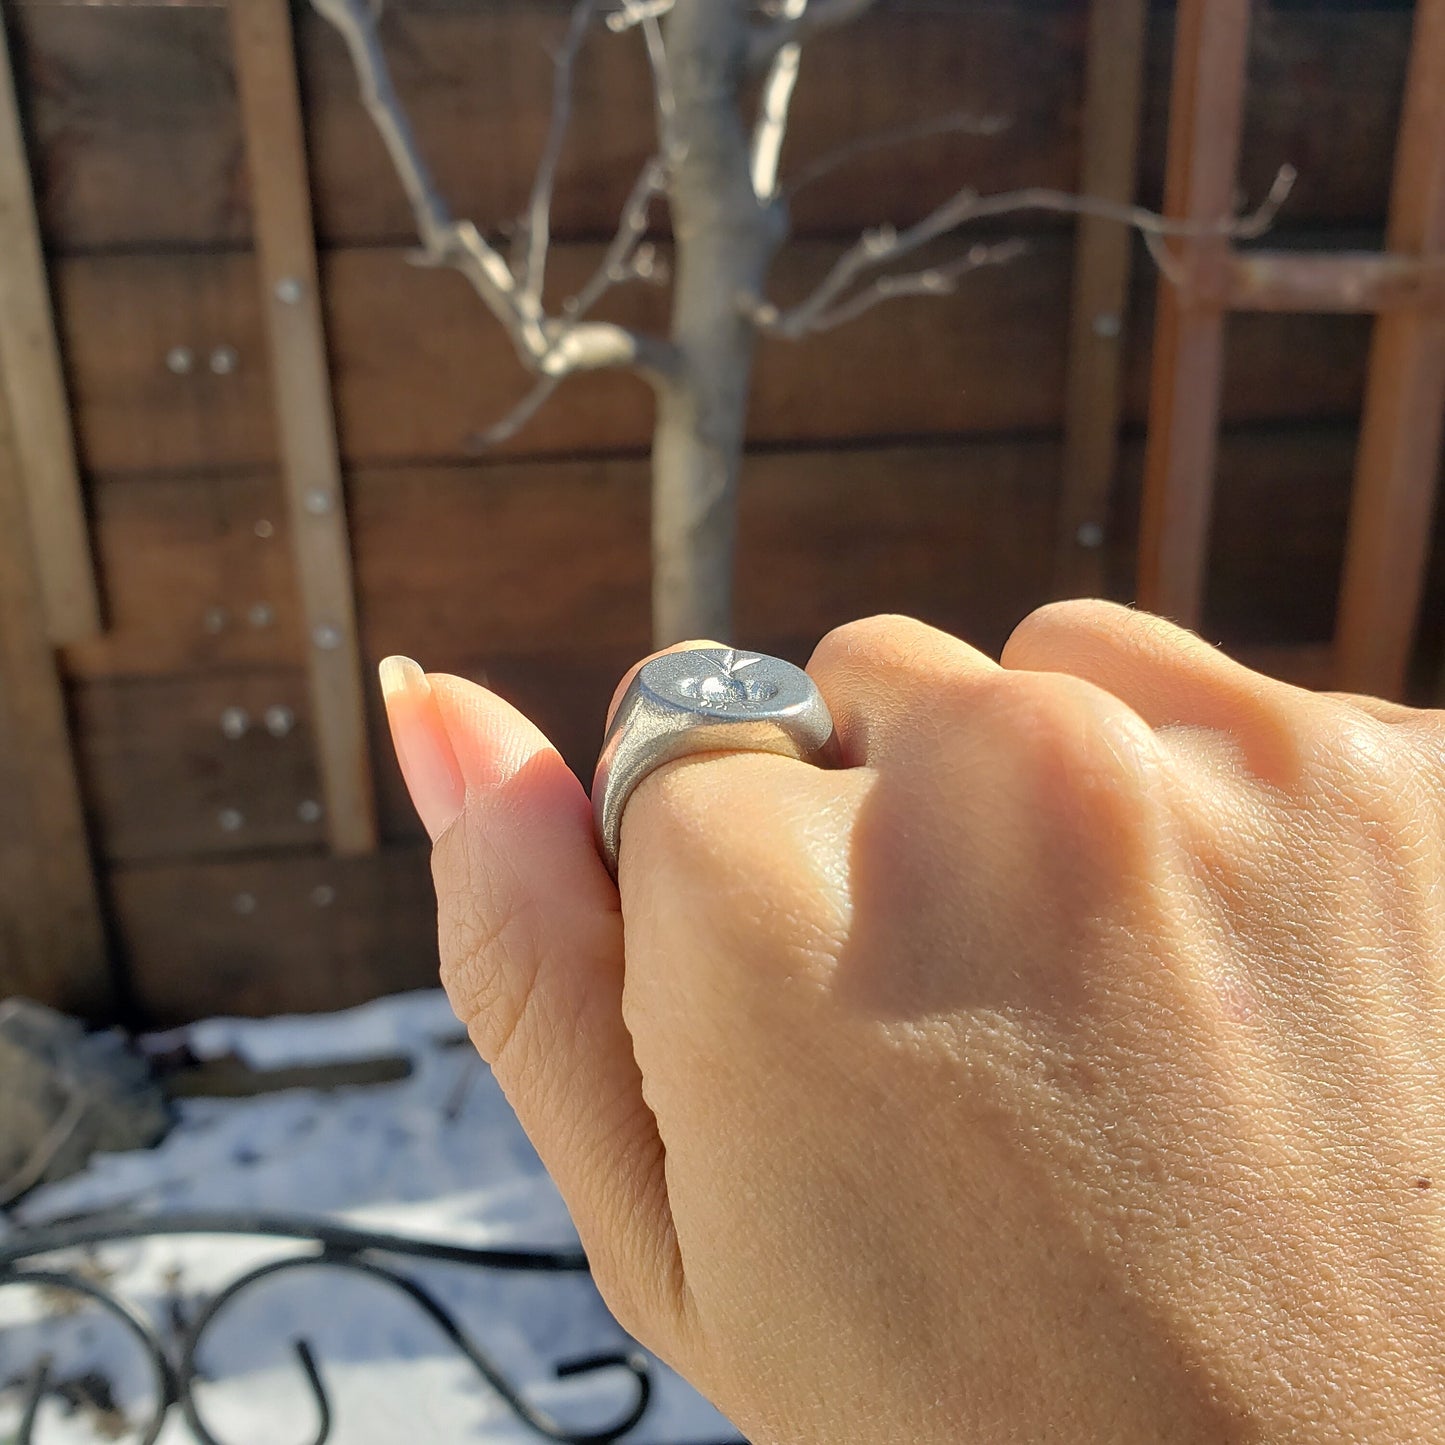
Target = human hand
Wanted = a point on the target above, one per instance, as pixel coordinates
(1067, 1067)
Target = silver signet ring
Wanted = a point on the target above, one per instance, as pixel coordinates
(705, 700)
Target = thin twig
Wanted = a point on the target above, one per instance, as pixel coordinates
(634, 12)
(645, 14)
(820, 15)
(552, 348)
(357, 28)
(539, 209)
(665, 96)
(519, 415)
(885, 244)
(941, 280)
(777, 97)
(958, 123)
(617, 265)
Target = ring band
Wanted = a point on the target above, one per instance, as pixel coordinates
(704, 700)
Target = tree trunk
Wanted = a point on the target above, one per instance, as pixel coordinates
(725, 241)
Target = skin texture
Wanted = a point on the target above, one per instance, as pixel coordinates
(1068, 1067)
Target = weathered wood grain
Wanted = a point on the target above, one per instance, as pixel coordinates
(30, 374)
(1113, 98)
(198, 577)
(52, 939)
(290, 932)
(137, 142)
(449, 556)
(264, 50)
(197, 766)
(420, 369)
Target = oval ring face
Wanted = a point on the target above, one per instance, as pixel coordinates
(704, 700)
(726, 682)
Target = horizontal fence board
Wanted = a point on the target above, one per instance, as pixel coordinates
(279, 934)
(137, 142)
(517, 558)
(421, 369)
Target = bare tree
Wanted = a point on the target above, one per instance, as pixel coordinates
(719, 172)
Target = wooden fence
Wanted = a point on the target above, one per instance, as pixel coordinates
(246, 433)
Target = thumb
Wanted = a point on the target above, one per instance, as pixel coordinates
(530, 936)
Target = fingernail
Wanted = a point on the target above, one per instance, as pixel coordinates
(428, 763)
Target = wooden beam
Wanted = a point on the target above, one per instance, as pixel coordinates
(418, 369)
(52, 944)
(1354, 281)
(285, 242)
(31, 378)
(1093, 403)
(1205, 120)
(1400, 435)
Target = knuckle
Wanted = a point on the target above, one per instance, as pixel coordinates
(1046, 625)
(1088, 764)
(1051, 634)
(1377, 769)
(886, 634)
(765, 894)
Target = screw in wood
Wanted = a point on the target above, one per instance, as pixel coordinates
(234, 722)
(279, 720)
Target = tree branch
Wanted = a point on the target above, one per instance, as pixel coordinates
(765, 42)
(939, 280)
(957, 123)
(634, 12)
(886, 244)
(645, 14)
(623, 260)
(552, 348)
(777, 97)
(517, 418)
(539, 209)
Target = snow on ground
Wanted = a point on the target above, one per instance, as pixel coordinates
(437, 1155)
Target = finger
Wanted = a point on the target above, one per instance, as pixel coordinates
(888, 681)
(531, 950)
(1171, 677)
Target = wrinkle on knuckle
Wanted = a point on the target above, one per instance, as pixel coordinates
(1038, 636)
(1366, 767)
(1093, 771)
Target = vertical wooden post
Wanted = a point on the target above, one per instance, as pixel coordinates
(52, 944)
(1399, 456)
(1113, 94)
(1206, 116)
(285, 241)
(30, 376)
